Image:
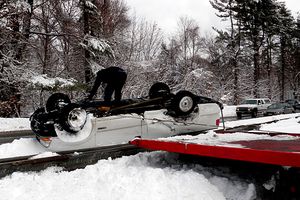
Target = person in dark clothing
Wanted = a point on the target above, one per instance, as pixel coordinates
(115, 78)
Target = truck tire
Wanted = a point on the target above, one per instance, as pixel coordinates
(73, 118)
(239, 116)
(159, 89)
(183, 103)
(38, 126)
(55, 101)
(254, 114)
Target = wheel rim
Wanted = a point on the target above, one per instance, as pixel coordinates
(61, 103)
(186, 104)
(77, 118)
(57, 101)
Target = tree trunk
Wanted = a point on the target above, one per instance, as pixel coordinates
(283, 66)
(256, 68)
(46, 55)
(235, 82)
(269, 64)
(26, 31)
(86, 31)
(15, 26)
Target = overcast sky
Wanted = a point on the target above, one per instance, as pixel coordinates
(167, 12)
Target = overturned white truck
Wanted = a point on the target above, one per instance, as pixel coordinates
(63, 125)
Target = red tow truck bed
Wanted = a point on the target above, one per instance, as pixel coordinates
(267, 151)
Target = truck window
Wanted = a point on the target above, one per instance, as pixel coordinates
(249, 101)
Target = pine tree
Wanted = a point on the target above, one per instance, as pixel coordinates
(227, 10)
(286, 26)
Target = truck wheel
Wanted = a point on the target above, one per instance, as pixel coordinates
(73, 118)
(254, 114)
(183, 103)
(38, 126)
(57, 101)
(159, 89)
(239, 116)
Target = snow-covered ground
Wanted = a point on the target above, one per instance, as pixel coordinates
(155, 175)
(229, 111)
(291, 125)
(11, 124)
(243, 122)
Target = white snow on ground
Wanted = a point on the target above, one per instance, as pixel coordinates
(44, 155)
(291, 125)
(229, 111)
(231, 124)
(21, 147)
(155, 175)
(11, 124)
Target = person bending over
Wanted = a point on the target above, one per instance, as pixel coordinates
(115, 78)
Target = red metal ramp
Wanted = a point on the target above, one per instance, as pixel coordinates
(269, 150)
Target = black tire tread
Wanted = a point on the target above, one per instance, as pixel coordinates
(63, 120)
(159, 89)
(52, 101)
(176, 100)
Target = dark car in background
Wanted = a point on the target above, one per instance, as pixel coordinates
(293, 102)
(279, 108)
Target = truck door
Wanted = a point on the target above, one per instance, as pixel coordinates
(119, 129)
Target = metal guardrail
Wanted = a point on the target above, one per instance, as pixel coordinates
(9, 136)
(16, 133)
(67, 160)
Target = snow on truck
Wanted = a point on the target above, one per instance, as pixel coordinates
(62, 125)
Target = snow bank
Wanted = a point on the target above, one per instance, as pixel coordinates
(153, 175)
(229, 111)
(44, 155)
(259, 120)
(11, 124)
(291, 125)
(21, 147)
